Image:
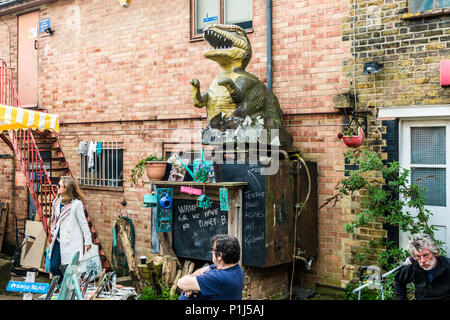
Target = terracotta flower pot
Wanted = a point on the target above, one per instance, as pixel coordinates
(155, 170)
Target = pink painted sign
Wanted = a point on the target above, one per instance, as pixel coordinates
(189, 190)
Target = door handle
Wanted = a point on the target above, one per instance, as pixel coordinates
(35, 44)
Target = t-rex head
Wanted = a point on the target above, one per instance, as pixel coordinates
(230, 43)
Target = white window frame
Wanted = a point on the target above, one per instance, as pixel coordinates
(440, 213)
(434, 7)
(198, 36)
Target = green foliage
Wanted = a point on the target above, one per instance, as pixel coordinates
(366, 294)
(138, 171)
(149, 294)
(399, 202)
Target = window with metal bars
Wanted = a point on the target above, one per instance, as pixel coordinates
(104, 167)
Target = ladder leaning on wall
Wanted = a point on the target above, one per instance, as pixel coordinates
(41, 160)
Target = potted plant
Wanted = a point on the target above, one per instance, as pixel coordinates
(351, 138)
(153, 166)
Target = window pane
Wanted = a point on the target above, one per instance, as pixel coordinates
(442, 3)
(238, 12)
(428, 145)
(206, 12)
(434, 182)
(421, 5)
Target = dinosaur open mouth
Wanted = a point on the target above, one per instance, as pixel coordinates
(216, 40)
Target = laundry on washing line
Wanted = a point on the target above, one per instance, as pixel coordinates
(99, 147)
(83, 147)
(90, 149)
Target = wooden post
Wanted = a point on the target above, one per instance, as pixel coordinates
(135, 273)
(167, 248)
(169, 271)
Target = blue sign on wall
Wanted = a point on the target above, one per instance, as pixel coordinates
(32, 287)
(44, 24)
(210, 19)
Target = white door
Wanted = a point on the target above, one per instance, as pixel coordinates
(425, 150)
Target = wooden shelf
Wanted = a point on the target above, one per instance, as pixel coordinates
(199, 184)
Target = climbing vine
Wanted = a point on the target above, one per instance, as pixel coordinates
(386, 193)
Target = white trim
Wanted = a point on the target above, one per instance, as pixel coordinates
(441, 214)
(415, 112)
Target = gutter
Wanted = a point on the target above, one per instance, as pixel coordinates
(12, 6)
(269, 43)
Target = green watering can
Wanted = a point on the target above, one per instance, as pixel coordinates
(201, 168)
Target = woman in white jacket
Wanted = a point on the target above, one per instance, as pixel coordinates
(68, 225)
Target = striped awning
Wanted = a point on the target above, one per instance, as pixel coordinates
(12, 118)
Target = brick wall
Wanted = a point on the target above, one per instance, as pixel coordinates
(14, 195)
(106, 63)
(410, 51)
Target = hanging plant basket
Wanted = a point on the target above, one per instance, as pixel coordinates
(155, 170)
(353, 141)
(352, 138)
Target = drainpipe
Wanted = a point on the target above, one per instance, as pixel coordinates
(269, 43)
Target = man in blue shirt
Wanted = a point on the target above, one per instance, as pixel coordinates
(223, 280)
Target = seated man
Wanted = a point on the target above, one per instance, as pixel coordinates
(429, 272)
(223, 280)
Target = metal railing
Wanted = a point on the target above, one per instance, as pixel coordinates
(27, 152)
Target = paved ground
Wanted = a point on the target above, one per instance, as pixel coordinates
(299, 293)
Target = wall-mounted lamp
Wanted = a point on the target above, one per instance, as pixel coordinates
(372, 67)
(49, 31)
(124, 3)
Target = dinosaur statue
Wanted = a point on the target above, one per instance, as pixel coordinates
(236, 100)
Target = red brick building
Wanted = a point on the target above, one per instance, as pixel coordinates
(121, 75)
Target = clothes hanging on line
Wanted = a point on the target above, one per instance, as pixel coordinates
(92, 149)
(83, 147)
(99, 148)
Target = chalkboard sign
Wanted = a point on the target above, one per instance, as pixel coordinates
(193, 228)
(253, 210)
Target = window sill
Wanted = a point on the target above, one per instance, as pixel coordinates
(199, 37)
(103, 188)
(426, 14)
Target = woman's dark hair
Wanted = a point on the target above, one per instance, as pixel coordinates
(228, 246)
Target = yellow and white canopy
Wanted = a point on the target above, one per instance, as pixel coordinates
(12, 118)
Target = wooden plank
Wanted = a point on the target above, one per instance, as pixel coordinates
(197, 184)
(33, 252)
(4, 210)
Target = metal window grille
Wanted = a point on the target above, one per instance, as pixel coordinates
(428, 162)
(107, 167)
